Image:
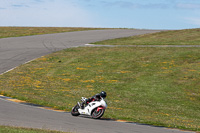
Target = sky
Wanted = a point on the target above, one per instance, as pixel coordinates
(140, 14)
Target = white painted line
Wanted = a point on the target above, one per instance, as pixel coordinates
(17, 66)
(89, 44)
(8, 70)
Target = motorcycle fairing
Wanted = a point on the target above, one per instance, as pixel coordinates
(88, 109)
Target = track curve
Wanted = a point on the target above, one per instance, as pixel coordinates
(16, 51)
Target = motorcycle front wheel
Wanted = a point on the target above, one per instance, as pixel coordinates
(74, 111)
(98, 114)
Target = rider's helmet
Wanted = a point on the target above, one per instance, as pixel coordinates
(103, 94)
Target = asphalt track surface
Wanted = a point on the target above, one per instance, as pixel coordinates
(17, 51)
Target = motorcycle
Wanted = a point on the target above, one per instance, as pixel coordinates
(95, 109)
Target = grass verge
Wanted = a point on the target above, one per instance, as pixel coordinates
(157, 86)
(27, 31)
(8, 129)
(176, 37)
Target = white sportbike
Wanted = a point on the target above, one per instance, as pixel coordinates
(95, 109)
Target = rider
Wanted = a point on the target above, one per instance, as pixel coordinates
(96, 97)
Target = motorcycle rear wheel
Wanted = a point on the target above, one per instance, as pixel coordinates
(74, 111)
(98, 114)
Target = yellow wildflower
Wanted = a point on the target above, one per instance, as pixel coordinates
(86, 81)
(164, 62)
(125, 71)
(164, 68)
(112, 81)
(89, 86)
(67, 79)
(78, 68)
(192, 70)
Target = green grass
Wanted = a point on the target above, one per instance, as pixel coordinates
(8, 129)
(176, 37)
(157, 86)
(27, 31)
